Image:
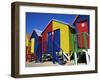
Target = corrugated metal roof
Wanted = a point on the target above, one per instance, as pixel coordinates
(38, 31)
(50, 22)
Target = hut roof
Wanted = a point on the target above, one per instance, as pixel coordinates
(50, 22)
(38, 32)
(80, 18)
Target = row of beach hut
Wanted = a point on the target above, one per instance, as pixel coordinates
(58, 38)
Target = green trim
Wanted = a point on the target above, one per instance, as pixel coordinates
(72, 42)
(85, 41)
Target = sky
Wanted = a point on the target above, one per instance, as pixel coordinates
(40, 20)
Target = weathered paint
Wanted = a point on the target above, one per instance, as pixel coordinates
(32, 45)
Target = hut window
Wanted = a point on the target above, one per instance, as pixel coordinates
(83, 24)
(52, 33)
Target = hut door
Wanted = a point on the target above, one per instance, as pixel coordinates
(57, 40)
(50, 41)
(54, 40)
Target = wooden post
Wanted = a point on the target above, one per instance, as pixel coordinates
(74, 48)
(86, 48)
(85, 41)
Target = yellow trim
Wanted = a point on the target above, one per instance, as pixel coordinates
(32, 45)
(27, 41)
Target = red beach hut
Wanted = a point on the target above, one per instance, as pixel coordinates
(82, 27)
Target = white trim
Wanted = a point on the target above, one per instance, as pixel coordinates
(70, 68)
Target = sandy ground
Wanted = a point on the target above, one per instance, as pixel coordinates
(49, 63)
